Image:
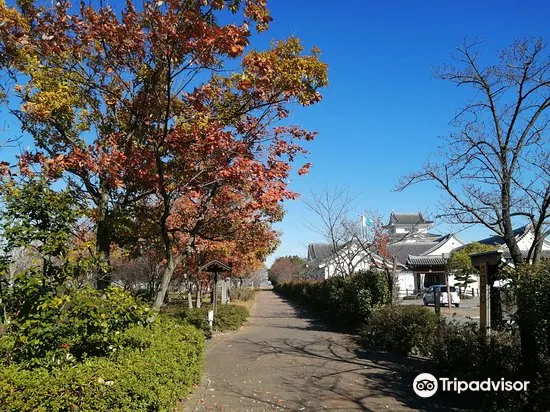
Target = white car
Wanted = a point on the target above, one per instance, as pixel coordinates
(429, 295)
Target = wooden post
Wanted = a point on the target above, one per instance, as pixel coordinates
(484, 299)
(215, 294)
(448, 289)
(215, 268)
(394, 292)
(437, 301)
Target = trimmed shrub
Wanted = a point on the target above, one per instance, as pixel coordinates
(229, 317)
(152, 377)
(459, 350)
(462, 350)
(401, 329)
(197, 317)
(454, 350)
(344, 302)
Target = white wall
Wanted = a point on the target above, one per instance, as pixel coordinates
(409, 228)
(527, 240)
(405, 281)
(360, 262)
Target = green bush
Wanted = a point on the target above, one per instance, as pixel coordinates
(7, 343)
(344, 302)
(529, 293)
(72, 325)
(468, 354)
(461, 351)
(152, 377)
(454, 350)
(401, 329)
(229, 317)
(197, 317)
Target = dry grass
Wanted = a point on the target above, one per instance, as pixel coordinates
(246, 303)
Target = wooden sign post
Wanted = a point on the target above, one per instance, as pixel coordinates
(484, 298)
(216, 269)
(487, 263)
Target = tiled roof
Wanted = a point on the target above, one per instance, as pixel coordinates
(397, 237)
(401, 250)
(318, 251)
(499, 240)
(544, 254)
(426, 261)
(408, 218)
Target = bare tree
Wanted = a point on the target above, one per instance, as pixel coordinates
(495, 165)
(332, 207)
(140, 274)
(353, 243)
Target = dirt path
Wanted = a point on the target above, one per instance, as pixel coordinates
(285, 360)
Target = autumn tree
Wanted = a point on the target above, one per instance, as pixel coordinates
(244, 250)
(494, 166)
(286, 269)
(135, 109)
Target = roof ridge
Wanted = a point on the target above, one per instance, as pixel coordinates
(441, 241)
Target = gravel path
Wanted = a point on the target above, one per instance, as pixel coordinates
(284, 360)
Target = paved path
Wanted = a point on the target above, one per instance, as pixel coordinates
(284, 360)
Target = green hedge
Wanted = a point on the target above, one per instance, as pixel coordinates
(401, 329)
(229, 317)
(458, 351)
(346, 303)
(161, 369)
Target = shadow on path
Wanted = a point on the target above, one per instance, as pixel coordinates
(286, 359)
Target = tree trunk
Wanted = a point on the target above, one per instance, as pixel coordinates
(199, 295)
(165, 282)
(537, 250)
(393, 289)
(103, 247)
(509, 236)
(103, 240)
(190, 298)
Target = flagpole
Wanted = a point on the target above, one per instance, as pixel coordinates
(366, 226)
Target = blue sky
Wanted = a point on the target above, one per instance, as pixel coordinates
(383, 112)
